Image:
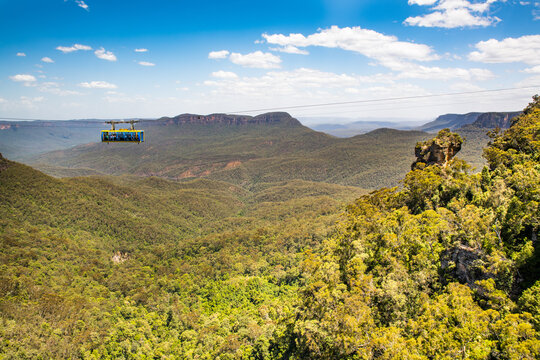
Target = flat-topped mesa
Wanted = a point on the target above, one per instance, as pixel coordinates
(231, 119)
(437, 151)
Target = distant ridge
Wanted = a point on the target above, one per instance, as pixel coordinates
(475, 119)
(451, 121)
(230, 119)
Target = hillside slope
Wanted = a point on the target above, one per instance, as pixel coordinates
(83, 259)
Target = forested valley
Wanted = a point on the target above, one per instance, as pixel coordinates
(443, 266)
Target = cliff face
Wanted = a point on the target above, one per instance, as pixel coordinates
(437, 151)
(474, 119)
(226, 119)
(492, 120)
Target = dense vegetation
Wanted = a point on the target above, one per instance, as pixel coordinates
(443, 267)
(205, 267)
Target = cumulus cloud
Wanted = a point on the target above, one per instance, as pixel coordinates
(422, 2)
(103, 54)
(367, 42)
(47, 60)
(222, 54)
(289, 49)
(284, 82)
(141, 50)
(21, 54)
(256, 59)
(23, 78)
(75, 47)
(453, 14)
(30, 102)
(224, 74)
(146, 63)
(533, 70)
(121, 98)
(54, 88)
(415, 71)
(82, 4)
(300, 84)
(98, 85)
(523, 49)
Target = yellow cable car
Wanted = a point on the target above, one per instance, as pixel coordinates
(122, 135)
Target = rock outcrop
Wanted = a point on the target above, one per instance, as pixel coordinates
(437, 151)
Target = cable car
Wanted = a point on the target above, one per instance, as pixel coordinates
(122, 135)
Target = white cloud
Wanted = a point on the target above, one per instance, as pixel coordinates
(408, 70)
(289, 49)
(121, 98)
(530, 81)
(294, 87)
(21, 54)
(75, 47)
(2, 100)
(465, 86)
(82, 4)
(141, 50)
(364, 41)
(30, 102)
(438, 73)
(98, 85)
(533, 70)
(54, 88)
(290, 82)
(422, 2)
(23, 78)
(256, 59)
(47, 60)
(523, 49)
(146, 63)
(453, 14)
(524, 3)
(224, 74)
(222, 54)
(103, 54)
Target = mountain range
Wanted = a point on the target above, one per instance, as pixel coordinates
(244, 150)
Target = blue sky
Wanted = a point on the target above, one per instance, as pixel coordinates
(63, 59)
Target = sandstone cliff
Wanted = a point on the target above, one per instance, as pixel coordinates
(439, 150)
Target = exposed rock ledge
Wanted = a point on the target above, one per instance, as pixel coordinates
(437, 151)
